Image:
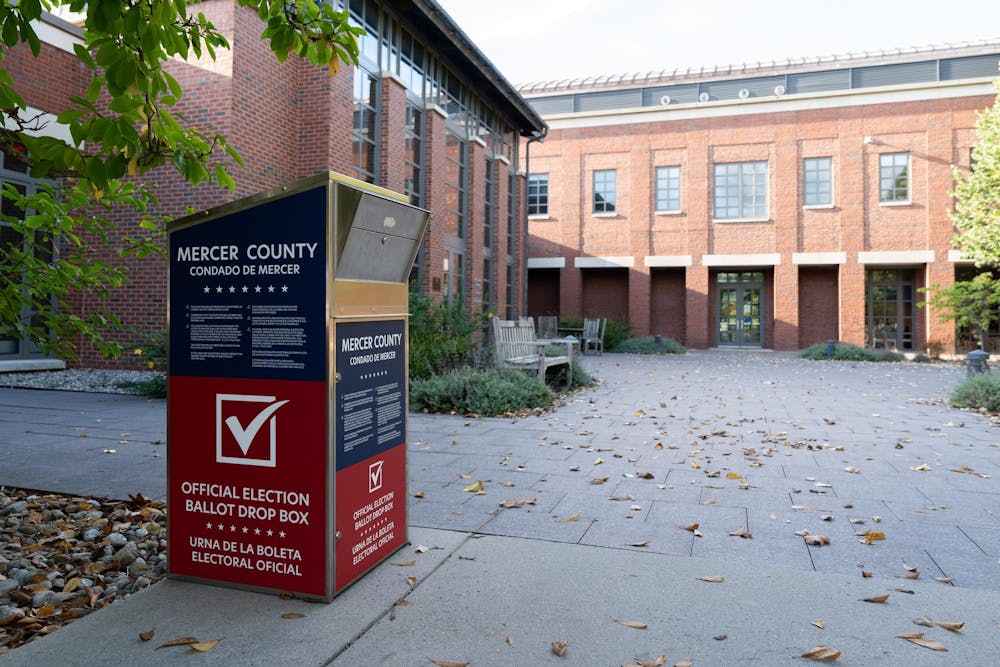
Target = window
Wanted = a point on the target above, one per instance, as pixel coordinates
(605, 194)
(455, 177)
(894, 177)
(817, 180)
(668, 189)
(413, 138)
(487, 285)
(510, 292)
(365, 124)
(489, 170)
(889, 309)
(538, 194)
(741, 190)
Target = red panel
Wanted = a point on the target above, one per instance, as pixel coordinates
(370, 513)
(247, 463)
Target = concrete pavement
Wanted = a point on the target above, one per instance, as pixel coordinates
(760, 442)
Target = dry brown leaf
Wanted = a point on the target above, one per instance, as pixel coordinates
(180, 641)
(520, 502)
(412, 581)
(710, 501)
(953, 626)
(450, 663)
(825, 653)
(866, 574)
(401, 602)
(714, 578)
(559, 648)
(910, 575)
(571, 518)
(45, 611)
(918, 639)
(909, 568)
(202, 647)
(816, 540)
(819, 624)
(742, 532)
(644, 475)
(878, 599)
(293, 614)
(71, 585)
(418, 494)
(872, 535)
(683, 663)
(943, 580)
(510, 642)
(659, 662)
(644, 543)
(403, 563)
(598, 480)
(733, 475)
(631, 624)
(147, 635)
(691, 528)
(474, 488)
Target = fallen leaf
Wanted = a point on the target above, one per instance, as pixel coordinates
(472, 488)
(511, 503)
(918, 639)
(450, 663)
(412, 581)
(953, 626)
(720, 638)
(712, 578)
(598, 461)
(510, 642)
(571, 518)
(659, 662)
(598, 480)
(690, 528)
(421, 549)
(910, 575)
(874, 535)
(147, 635)
(824, 653)
(401, 602)
(944, 580)
(733, 475)
(71, 585)
(559, 648)
(202, 647)
(293, 614)
(878, 599)
(909, 568)
(418, 494)
(906, 590)
(403, 563)
(816, 540)
(631, 624)
(819, 624)
(852, 470)
(741, 532)
(180, 641)
(45, 611)
(710, 501)
(920, 468)
(644, 475)
(639, 544)
(684, 663)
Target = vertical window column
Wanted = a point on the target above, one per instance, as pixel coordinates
(365, 130)
(605, 190)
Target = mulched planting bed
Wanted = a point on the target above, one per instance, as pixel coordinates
(63, 557)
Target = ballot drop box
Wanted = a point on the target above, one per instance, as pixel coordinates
(287, 389)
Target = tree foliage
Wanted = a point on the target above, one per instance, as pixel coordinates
(977, 193)
(123, 125)
(972, 304)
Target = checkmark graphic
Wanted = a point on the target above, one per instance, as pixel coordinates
(245, 436)
(375, 476)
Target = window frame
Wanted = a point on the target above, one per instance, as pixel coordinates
(817, 189)
(671, 173)
(538, 195)
(894, 197)
(743, 180)
(607, 206)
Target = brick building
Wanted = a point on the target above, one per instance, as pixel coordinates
(424, 113)
(769, 205)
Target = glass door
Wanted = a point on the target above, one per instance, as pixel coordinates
(741, 309)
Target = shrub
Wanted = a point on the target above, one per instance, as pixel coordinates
(981, 392)
(889, 355)
(841, 352)
(648, 345)
(489, 391)
(921, 358)
(555, 376)
(155, 386)
(443, 336)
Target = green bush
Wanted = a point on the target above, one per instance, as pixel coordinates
(981, 392)
(490, 391)
(889, 355)
(841, 352)
(154, 387)
(443, 336)
(648, 345)
(921, 358)
(555, 376)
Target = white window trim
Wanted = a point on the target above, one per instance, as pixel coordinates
(669, 212)
(611, 214)
(726, 221)
(539, 216)
(818, 207)
(896, 203)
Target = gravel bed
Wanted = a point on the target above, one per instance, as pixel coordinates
(79, 379)
(62, 557)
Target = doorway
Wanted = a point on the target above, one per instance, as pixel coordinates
(740, 295)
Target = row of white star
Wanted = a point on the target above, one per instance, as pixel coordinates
(246, 531)
(257, 289)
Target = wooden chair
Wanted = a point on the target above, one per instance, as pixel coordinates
(548, 326)
(518, 347)
(593, 334)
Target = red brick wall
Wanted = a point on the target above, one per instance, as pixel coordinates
(668, 304)
(605, 293)
(817, 305)
(543, 292)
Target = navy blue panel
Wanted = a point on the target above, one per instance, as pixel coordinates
(248, 292)
(371, 389)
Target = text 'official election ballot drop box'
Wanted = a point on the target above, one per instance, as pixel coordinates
(288, 386)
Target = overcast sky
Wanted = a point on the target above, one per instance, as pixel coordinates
(541, 40)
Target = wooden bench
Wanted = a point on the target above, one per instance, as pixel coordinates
(517, 347)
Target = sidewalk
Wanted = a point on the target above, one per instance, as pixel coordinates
(499, 585)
